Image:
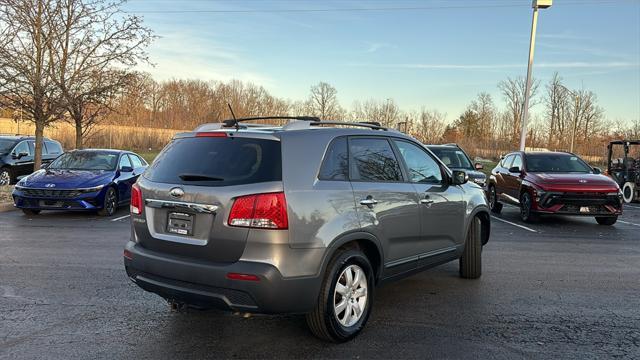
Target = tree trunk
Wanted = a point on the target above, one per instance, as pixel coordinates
(78, 123)
(37, 157)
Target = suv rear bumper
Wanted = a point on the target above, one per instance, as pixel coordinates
(205, 285)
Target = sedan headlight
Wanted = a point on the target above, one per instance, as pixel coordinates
(479, 181)
(92, 189)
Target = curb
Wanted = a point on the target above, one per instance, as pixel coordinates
(6, 207)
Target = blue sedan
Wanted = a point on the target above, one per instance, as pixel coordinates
(81, 180)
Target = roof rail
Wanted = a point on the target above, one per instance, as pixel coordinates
(300, 125)
(235, 122)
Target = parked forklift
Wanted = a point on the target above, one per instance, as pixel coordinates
(625, 170)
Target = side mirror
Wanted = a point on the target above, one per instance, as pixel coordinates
(459, 177)
(20, 155)
(479, 166)
(126, 169)
(514, 169)
(597, 170)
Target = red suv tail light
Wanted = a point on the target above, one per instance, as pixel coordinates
(136, 200)
(261, 211)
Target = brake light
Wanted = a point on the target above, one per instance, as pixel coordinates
(136, 200)
(211, 134)
(261, 211)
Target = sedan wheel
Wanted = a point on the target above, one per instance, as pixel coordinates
(5, 177)
(110, 203)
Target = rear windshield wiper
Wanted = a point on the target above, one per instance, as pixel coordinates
(198, 177)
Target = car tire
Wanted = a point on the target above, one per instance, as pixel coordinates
(31, 212)
(496, 207)
(6, 176)
(323, 320)
(110, 205)
(526, 212)
(471, 259)
(628, 192)
(606, 220)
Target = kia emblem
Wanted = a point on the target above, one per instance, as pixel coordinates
(176, 192)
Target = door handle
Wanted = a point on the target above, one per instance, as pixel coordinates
(426, 200)
(369, 201)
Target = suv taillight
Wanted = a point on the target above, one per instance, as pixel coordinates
(262, 211)
(136, 200)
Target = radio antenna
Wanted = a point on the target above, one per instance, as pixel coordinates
(234, 117)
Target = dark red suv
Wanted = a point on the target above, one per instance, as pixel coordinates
(559, 183)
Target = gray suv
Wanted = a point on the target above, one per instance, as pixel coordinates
(303, 218)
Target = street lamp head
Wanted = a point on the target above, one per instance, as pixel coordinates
(541, 4)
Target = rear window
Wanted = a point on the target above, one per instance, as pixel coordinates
(336, 161)
(217, 162)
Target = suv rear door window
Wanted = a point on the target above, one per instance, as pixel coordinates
(373, 160)
(53, 148)
(335, 165)
(217, 161)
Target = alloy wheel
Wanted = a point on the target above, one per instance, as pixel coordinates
(110, 202)
(5, 178)
(525, 206)
(350, 295)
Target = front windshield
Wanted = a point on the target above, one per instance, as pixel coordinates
(556, 163)
(85, 160)
(453, 158)
(6, 145)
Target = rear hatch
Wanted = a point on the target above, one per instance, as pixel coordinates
(190, 189)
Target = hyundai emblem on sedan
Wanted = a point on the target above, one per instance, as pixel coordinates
(50, 185)
(176, 192)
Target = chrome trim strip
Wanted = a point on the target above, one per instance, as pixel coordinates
(169, 204)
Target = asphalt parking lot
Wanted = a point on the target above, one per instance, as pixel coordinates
(562, 288)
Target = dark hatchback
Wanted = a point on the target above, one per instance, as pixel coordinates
(17, 155)
(81, 180)
(455, 158)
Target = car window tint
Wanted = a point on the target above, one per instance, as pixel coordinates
(422, 167)
(124, 161)
(373, 160)
(335, 165)
(453, 158)
(135, 161)
(23, 147)
(216, 161)
(507, 161)
(53, 148)
(517, 161)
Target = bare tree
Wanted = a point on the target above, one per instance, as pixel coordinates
(93, 41)
(323, 101)
(513, 92)
(429, 126)
(26, 36)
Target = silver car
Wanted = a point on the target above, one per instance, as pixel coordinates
(303, 218)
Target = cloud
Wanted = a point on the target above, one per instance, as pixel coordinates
(183, 54)
(373, 47)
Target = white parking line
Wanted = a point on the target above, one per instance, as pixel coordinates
(632, 206)
(514, 224)
(628, 223)
(120, 218)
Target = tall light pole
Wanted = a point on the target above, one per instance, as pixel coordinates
(537, 4)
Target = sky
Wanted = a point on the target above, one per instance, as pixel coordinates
(429, 54)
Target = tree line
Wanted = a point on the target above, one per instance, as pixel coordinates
(71, 60)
